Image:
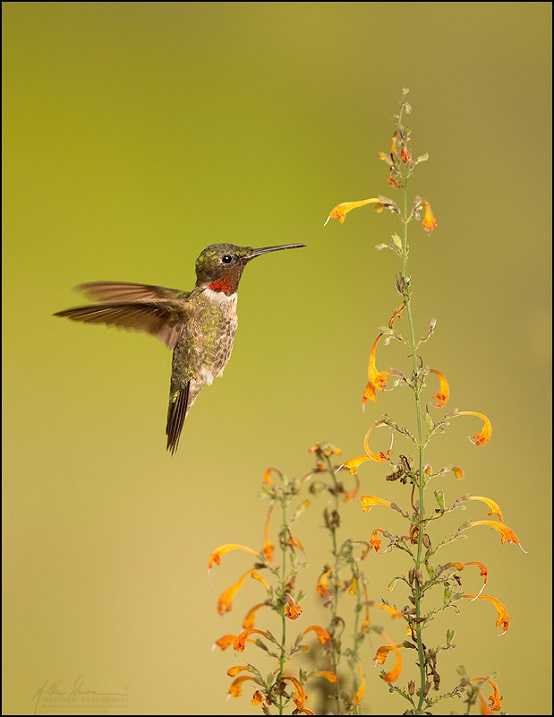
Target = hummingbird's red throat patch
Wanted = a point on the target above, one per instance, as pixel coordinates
(227, 284)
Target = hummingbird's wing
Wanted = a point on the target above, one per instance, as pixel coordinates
(164, 319)
(125, 291)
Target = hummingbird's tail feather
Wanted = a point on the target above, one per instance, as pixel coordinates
(176, 413)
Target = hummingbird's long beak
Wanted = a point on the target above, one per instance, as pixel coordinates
(253, 253)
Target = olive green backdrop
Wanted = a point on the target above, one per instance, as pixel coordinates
(137, 133)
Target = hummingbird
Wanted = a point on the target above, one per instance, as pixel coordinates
(199, 325)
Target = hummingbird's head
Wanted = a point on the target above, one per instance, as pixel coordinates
(220, 266)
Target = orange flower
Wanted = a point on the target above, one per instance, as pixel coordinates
(443, 394)
(299, 697)
(353, 464)
(329, 676)
(224, 641)
(236, 685)
(503, 619)
(257, 699)
(507, 535)
(267, 549)
(375, 540)
(429, 222)
(405, 155)
(341, 210)
(393, 612)
(225, 600)
(495, 698)
(380, 456)
(381, 656)
(236, 669)
(250, 617)
(218, 553)
(376, 380)
(458, 472)
(322, 586)
(493, 505)
(483, 571)
(370, 501)
(485, 433)
(239, 643)
(360, 692)
(295, 543)
(292, 609)
(484, 708)
(322, 634)
(266, 478)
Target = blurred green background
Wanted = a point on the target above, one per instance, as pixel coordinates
(137, 133)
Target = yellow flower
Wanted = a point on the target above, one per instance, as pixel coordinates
(218, 553)
(503, 619)
(376, 380)
(377, 456)
(393, 612)
(429, 222)
(322, 634)
(381, 657)
(507, 535)
(492, 505)
(370, 501)
(225, 600)
(485, 433)
(353, 464)
(250, 617)
(458, 472)
(329, 676)
(322, 586)
(443, 394)
(236, 669)
(483, 571)
(341, 210)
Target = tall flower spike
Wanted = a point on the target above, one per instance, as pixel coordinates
(503, 619)
(376, 380)
(483, 572)
(377, 456)
(218, 553)
(370, 501)
(507, 535)
(322, 634)
(443, 394)
(484, 435)
(341, 210)
(494, 508)
(429, 222)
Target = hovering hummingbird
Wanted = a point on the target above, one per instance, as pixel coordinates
(198, 325)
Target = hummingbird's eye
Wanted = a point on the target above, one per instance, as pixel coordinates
(227, 259)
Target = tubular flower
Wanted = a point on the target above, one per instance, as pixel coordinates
(353, 464)
(292, 609)
(322, 634)
(266, 478)
(380, 456)
(322, 586)
(341, 210)
(495, 698)
(349, 495)
(484, 708)
(236, 685)
(484, 435)
(429, 222)
(239, 643)
(375, 540)
(267, 549)
(225, 600)
(376, 380)
(329, 676)
(492, 505)
(503, 619)
(218, 553)
(370, 501)
(250, 617)
(458, 472)
(483, 571)
(507, 535)
(224, 642)
(381, 656)
(443, 394)
(360, 692)
(393, 612)
(236, 669)
(299, 697)
(295, 543)
(257, 699)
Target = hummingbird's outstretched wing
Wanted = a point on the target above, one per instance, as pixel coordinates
(163, 319)
(126, 291)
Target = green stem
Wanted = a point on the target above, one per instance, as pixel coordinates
(335, 657)
(421, 477)
(283, 606)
